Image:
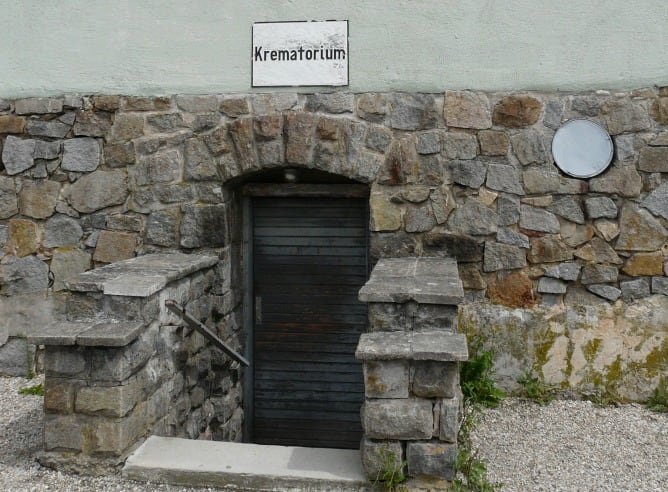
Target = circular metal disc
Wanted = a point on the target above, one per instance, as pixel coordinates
(582, 148)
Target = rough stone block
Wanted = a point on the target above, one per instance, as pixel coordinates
(386, 379)
(450, 417)
(503, 257)
(114, 246)
(597, 274)
(119, 154)
(12, 124)
(111, 401)
(466, 109)
(197, 103)
(660, 285)
(57, 128)
(378, 456)
(459, 145)
(81, 155)
(118, 364)
(530, 147)
(66, 362)
(548, 249)
(17, 357)
(473, 218)
(517, 111)
(203, 226)
(537, 219)
(8, 198)
(635, 289)
(398, 419)
(504, 177)
(234, 106)
(639, 230)
(644, 264)
(331, 102)
(432, 379)
(23, 275)
(506, 235)
(38, 105)
(92, 124)
(127, 126)
(493, 142)
(59, 395)
(63, 432)
(621, 178)
(385, 215)
(61, 230)
(433, 317)
(564, 271)
(551, 286)
(653, 159)
(106, 102)
(598, 207)
(161, 167)
(389, 316)
(469, 173)
(37, 199)
(300, 132)
(97, 190)
(624, 115)
(17, 154)
(605, 291)
(431, 459)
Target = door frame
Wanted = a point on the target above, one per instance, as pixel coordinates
(276, 190)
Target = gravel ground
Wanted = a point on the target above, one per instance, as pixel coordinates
(566, 445)
(574, 445)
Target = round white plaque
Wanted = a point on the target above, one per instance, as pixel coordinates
(582, 148)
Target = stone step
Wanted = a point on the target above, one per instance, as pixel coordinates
(245, 466)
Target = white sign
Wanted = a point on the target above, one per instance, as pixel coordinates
(300, 53)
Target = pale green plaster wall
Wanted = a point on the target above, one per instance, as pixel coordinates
(203, 46)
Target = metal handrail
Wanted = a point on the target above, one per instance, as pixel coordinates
(176, 308)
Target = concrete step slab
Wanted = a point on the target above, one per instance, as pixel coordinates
(253, 467)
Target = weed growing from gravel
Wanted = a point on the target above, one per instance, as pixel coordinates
(658, 402)
(534, 389)
(471, 470)
(479, 390)
(37, 389)
(476, 376)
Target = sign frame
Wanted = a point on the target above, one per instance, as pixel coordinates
(261, 80)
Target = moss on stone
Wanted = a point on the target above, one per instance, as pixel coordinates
(591, 349)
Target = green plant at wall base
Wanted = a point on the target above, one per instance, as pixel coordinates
(534, 389)
(390, 476)
(471, 470)
(476, 376)
(38, 389)
(658, 402)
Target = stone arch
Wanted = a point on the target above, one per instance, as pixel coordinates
(331, 144)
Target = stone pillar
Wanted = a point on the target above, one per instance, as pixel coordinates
(413, 401)
(123, 367)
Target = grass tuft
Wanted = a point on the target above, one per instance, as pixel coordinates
(37, 389)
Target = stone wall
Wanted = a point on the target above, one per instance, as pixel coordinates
(122, 367)
(87, 180)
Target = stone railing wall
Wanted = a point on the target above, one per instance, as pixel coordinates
(413, 402)
(87, 180)
(122, 367)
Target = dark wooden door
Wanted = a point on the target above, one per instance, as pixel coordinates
(309, 262)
